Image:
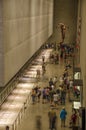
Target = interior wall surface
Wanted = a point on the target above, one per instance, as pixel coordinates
(83, 48)
(27, 24)
(1, 48)
(65, 12)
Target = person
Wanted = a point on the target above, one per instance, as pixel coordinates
(55, 99)
(51, 82)
(55, 80)
(52, 118)
(73, 119)
(63, 29)
(71, 84)
(7, 127)
(43, 59)
(38, 122)
(38, 73)
(44, 95)
(63, 114)
(63, 96)
(33, 95)
(43, 69)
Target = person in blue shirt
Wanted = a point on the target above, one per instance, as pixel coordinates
(63, 114)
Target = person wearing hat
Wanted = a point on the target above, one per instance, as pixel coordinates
(63, 114)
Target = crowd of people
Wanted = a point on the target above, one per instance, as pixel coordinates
(57, 88)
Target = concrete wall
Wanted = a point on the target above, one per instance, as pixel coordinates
(1, 48)
(83, 48)
(65, 12)
(27, 24)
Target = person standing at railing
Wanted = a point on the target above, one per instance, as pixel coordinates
(38, 74)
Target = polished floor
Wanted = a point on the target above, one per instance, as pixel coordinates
(19, 113)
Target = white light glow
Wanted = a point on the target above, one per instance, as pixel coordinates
(77, 75)
(7, 117)
(32, 68)
(31, 75)
(21, 91)
(12, 106)
(27, 80)
(76, 105)
(17, 98)
(25, 85)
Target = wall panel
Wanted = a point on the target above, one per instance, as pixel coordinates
(1, 48)
(27, 24)
(83, 48)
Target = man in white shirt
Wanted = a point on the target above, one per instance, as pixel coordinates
(55, 99)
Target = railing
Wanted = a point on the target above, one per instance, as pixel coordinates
(7, 90)
(17, 120)
(21, 113)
